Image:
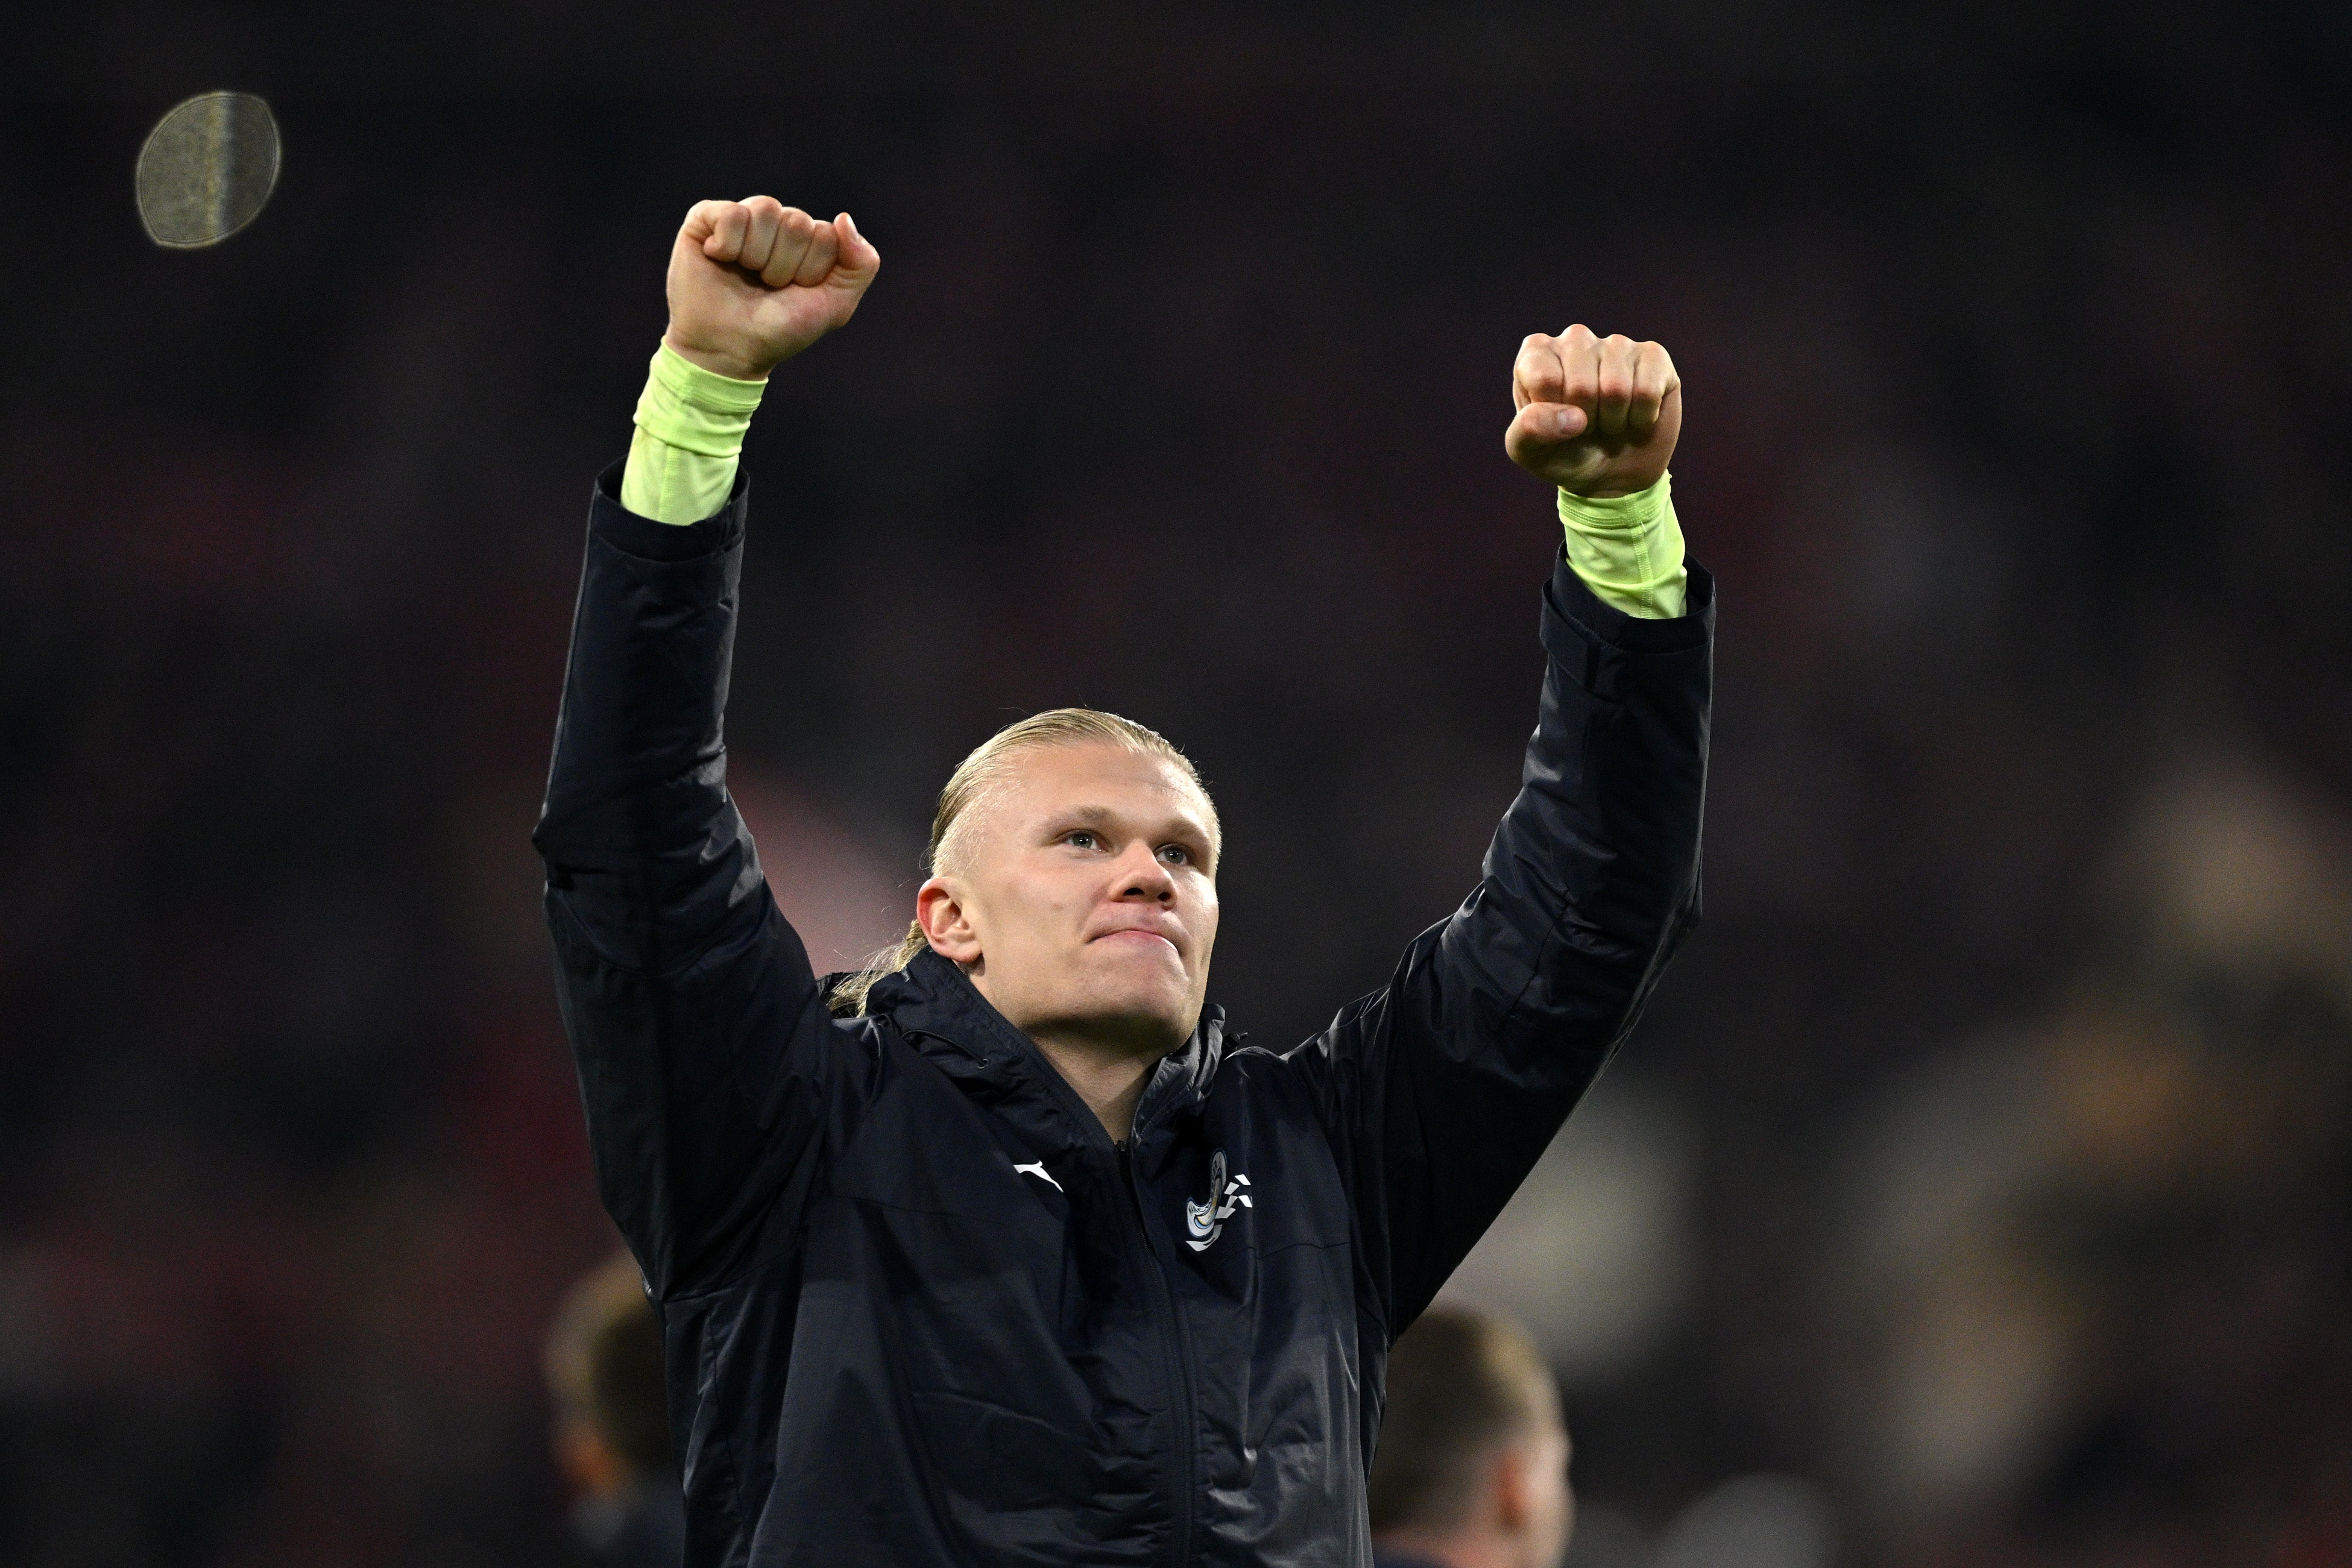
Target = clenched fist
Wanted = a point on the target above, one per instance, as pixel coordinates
(753, 283)
(1598, 416)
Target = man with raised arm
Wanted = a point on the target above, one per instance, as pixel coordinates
(1006, 1250)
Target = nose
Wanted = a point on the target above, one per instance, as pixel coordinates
(1143, 875)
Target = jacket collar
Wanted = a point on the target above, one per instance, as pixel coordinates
(943, 1016)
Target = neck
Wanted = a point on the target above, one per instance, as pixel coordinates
(1109, 1079)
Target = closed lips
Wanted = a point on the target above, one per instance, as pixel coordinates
(1134, 933)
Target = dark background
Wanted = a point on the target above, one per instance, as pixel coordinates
(2011, 1068)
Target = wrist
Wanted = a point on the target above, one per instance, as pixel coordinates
(734, 367)
(1616, 510)
(690, 407)
(1629, 550)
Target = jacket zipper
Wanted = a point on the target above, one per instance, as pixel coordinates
(1180, 1365)
(1176, 1351)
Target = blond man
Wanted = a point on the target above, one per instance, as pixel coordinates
(1006, 1250)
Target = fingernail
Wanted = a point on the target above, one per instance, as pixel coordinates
(1562, 421)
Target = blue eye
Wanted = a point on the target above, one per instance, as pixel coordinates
(1081, 839)
(1178, 854)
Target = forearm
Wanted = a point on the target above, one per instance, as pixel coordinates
(1443, 1089)
(1592, 876)
(641, 841)
(670, 953)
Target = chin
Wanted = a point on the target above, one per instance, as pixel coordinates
(1158, 1005)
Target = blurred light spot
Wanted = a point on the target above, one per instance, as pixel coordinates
(1595, 1254)
(1754, 1522)
(207, 169)
(1978, 1384)
(1606, 1539)
(2232, 863)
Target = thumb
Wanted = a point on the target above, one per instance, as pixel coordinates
(701, 222)
(1539, 430)
(856, 261)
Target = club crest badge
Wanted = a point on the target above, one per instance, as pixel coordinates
(1206, 1221)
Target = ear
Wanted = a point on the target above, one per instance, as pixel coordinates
(587, 1460)
(947, 924)
(1511, 1488)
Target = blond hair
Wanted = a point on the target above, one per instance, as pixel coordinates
(989, 764)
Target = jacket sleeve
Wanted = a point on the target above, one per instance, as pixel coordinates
(708, 1064)
(1439, 1090)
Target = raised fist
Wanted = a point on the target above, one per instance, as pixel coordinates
(1598, 416)
(753, 283)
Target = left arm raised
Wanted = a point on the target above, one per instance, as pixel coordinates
(1442, 1089)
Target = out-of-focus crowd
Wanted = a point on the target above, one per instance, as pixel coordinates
(1976, 1193)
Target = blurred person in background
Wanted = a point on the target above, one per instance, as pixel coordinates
(2097, 1262)
(1472, 1469)
(611, 1436)
(936, 1245)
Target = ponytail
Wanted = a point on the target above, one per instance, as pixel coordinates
(848, 998)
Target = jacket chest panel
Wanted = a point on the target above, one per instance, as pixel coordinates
(990, 1292)
(1056, 1324)
(1266, 1287)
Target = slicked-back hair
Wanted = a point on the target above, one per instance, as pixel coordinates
(989, 764)
(1461, 1385)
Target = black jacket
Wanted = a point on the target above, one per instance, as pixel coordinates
(918, 1308)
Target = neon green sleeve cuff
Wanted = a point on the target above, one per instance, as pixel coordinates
(689, 440)
(1629, 550)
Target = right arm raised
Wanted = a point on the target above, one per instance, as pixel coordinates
(707, 1060)
(751, 284)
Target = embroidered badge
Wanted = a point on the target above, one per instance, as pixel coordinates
(1206, 1221)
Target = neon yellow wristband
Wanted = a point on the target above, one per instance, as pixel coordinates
(1629, 550)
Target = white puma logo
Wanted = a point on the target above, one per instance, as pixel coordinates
(1037, 1170)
